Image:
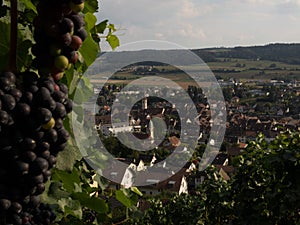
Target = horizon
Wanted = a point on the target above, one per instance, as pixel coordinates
(119, 49)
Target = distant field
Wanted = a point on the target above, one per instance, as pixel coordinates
(226, 68)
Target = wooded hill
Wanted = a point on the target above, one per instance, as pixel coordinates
(287, 53)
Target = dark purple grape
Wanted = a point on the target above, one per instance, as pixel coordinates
(27, 98)
(28, 144)
(22, 110)
(72, 56)
(10, 120)
(49, 85)
(8, 102)
(10, 76)
(5, 84)
(35, 201)
(28, 156)
(78, 21)
(60, 111)
(63, 136)
(45, 154)
(43, 146)
(40, 188)
(31, 78)
(55, 149)
(68, 105)
(58, 124)
(82, 34)
(22, 167)
(4, 204)
(3, 117)
(16, 93)
(63, 88)
(65, 39)
(38, 136)
(39, 165)
(16, 220)
(37, 179)
(59, 96)
(31, 125)
(44, 115)
(26, 199)
(16, 207)
(33, 88)
(52, 160)
(51, 136)
(49, 104)
(43, 94)
(47, 174)
(66, 26)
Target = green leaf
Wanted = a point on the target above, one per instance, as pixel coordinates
(92, 203)
(111, 27)
(90, 6)
(55, 191)
(100, 27)
(23, 57)
(136, 190)
(90, 21)
(89, 50)
(67, 178)
(71, 207)
(28, 4)
(122, 197)
(67, 158)
(113, 41)
(78, 110)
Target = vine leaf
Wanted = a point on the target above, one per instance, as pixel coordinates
(28, 4)
(136, 190)
(89, 50)
(23, 56)
(100, 27)
(68, 179)
(90, 6)
(92, 203)
(113, 41)
(71, 207)
(90, 21)
(67, 158)
(121, 197)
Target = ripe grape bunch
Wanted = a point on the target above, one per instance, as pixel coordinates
(33, 106)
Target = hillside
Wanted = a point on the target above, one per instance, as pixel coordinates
(287, 53)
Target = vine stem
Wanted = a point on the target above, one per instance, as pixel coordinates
(13, 35)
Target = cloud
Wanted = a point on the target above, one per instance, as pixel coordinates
(188, 31)
(207, 22)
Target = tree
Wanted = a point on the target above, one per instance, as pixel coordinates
(265, 189)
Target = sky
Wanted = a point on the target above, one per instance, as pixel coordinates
(204, 23)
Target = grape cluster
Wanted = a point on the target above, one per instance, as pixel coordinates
(59, 33)
(31, 136)
(33, 107)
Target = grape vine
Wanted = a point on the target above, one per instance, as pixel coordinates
(42, 57)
